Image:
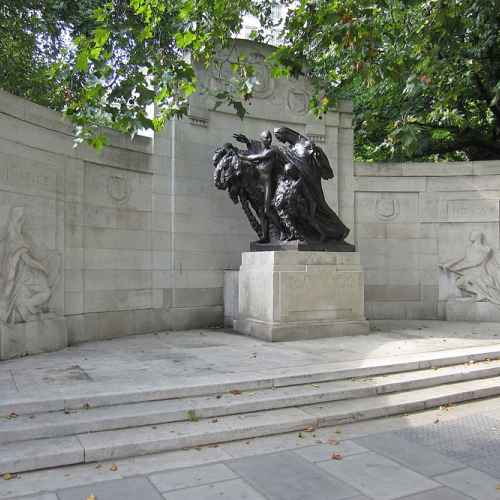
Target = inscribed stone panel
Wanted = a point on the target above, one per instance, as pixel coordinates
(21, 175)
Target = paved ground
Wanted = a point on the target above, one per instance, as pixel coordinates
(446, 454)
(174, 357)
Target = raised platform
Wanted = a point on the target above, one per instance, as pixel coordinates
(114, 399)
(300, 295)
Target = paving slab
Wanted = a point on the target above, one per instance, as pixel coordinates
(286, 476)
(169, 460)
(42, 496)
(474, 483)
(442, 493)
(194, 476)
(321, 452)
(273, 444)
(122, 489)
(419, 458)
(227, 490)
(473, 437)
(377, 476)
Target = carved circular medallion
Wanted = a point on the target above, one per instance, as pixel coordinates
(221, 73)
(118, 188)
(386, 209)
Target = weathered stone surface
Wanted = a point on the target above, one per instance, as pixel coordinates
(49, 333)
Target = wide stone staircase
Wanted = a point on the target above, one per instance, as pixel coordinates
(38, 432)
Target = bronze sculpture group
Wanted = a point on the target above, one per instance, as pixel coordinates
(280, 191)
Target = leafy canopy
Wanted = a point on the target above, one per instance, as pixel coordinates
(424, 75)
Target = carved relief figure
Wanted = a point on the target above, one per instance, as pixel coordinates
(477, 273)
(283, 187)
(24, 280)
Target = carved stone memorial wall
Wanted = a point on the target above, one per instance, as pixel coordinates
(428, 235)
(134, 239)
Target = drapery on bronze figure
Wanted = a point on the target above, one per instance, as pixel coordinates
(280, 191)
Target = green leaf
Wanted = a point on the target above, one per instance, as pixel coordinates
(184, 40)
(82, 60)
(101, 36)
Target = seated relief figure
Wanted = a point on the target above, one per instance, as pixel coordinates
(24, 280)
(477, 274)
(280, 191)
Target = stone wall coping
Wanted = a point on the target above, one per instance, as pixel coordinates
(427, 169)
(42, 116)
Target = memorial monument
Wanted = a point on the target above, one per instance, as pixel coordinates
(301, 279)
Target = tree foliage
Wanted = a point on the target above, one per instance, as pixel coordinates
(424, 75)
(35, 35)
(140, 54)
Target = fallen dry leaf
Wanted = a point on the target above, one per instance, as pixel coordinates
(336, 456)
(91, 497)
(114, 468)
(12, 415)
(333, 441)
(8, 476)
(316, 386)
(309, 429)
(98, 466)
(498, 486)
(235, 392)
(436, 421)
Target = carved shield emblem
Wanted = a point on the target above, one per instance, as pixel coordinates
(118, 188)
(386, 209)
(297, 101)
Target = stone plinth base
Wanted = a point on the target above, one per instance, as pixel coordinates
(46, 334)
(470, 310)
(302, 246)
(300, 295)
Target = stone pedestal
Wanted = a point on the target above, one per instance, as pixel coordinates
(300, 295)
(46, 334)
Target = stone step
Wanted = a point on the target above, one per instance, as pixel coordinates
(102, 395)
(106, 445)
(67, 423)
